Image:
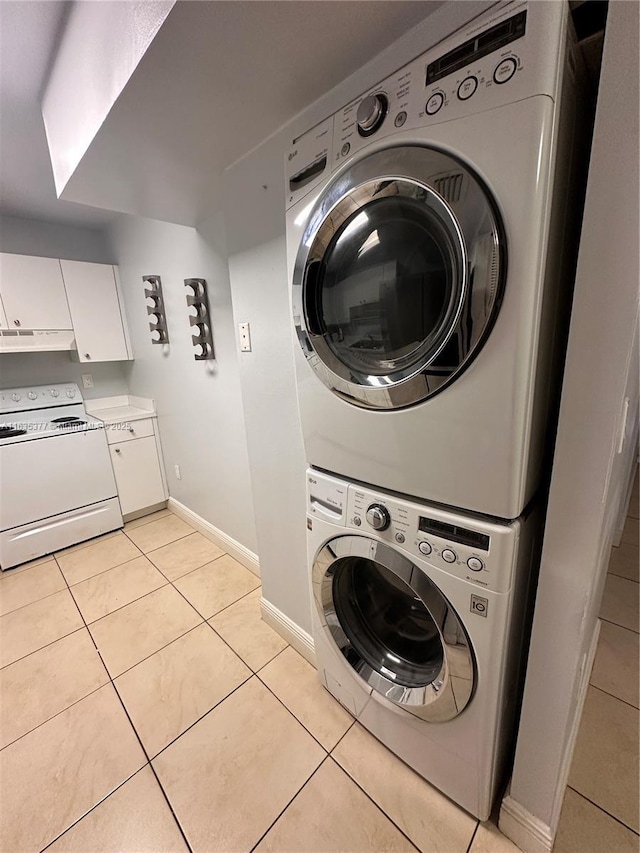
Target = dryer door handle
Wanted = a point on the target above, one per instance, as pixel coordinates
(311, 298)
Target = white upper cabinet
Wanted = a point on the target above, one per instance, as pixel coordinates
(97, 312)
(33, 293)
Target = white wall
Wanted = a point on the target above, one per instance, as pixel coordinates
(80, 92)
(254, 213)
(589, 475)
(53, 240)
(200, 413)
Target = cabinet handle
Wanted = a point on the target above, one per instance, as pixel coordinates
(16, 322)
(86, 355)
(117, 450)
(131, 429)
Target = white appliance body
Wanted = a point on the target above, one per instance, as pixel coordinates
(461, 747)
(57, 482)
(476, 439)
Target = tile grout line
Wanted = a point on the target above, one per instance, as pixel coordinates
(297, 793)
(46, 645)
(603, 810)
(36, 600)
(613, 696)
(473, 837)
(633, 631)
(378, 806)
(88, 812)
(623, 577)
(135, 731)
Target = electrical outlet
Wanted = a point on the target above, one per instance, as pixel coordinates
(176, 468)
(245, 337)
(87, 380)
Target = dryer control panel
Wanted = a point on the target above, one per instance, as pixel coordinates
(478, 550)
(509, 53)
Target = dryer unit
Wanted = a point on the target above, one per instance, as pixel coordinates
(418, 621)
(428, 248)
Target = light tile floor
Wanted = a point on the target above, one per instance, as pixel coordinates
(601, 805)
(144, 706)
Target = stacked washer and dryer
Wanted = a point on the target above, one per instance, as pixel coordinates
(428, 239)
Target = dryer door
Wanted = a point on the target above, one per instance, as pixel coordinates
(399, 277)
(394, 627)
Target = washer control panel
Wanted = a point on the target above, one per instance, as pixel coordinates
(471, 548)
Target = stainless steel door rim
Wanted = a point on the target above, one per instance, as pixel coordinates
(425, 663)
(399, 276)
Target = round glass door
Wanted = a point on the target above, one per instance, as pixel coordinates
(390, 285)
(394, 627)
(387, 623)
(398, 278)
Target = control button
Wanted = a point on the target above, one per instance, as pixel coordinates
(505, 70)
(424, 548)
(378, 517)
(434, 103)
(32, 395)
(357, 520)
(371, 113)
(400, 118)
(467, 88)
(475, 564)
(345, 149)
(54, 392)
(16, 397)
(400, 537)
(449, 556)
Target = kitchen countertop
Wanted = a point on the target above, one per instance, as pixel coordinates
(121, 409)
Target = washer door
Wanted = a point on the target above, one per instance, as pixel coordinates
(394, 627)
(399, 277)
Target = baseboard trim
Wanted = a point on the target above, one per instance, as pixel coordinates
(526, 831)
(230, 546)
(288, 630)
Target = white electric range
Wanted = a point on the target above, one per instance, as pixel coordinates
(57, 486)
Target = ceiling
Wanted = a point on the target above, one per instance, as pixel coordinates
(217, 80)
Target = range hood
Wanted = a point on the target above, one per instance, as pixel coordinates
(37, 340)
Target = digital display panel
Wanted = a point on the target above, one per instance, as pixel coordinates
(488, 41)
(454, 533)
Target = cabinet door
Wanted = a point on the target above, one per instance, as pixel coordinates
(33, 293)
(3, 316)
(98, 321)
(137, 471)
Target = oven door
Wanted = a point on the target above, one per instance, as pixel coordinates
(394, 627)
(399, 277)
(43, 477)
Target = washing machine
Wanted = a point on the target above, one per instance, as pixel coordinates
(419, 618)
(429, 252)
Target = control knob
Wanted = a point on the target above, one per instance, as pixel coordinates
(32, 395)
(54, 392)
(16, 397)
(371, 113)
(378, 517)
(71, 394)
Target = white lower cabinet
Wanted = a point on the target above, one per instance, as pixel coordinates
(138, 475)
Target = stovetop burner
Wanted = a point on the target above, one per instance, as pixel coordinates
(10, 432)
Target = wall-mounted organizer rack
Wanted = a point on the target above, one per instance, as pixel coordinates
(154, 292)
(200, 301)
